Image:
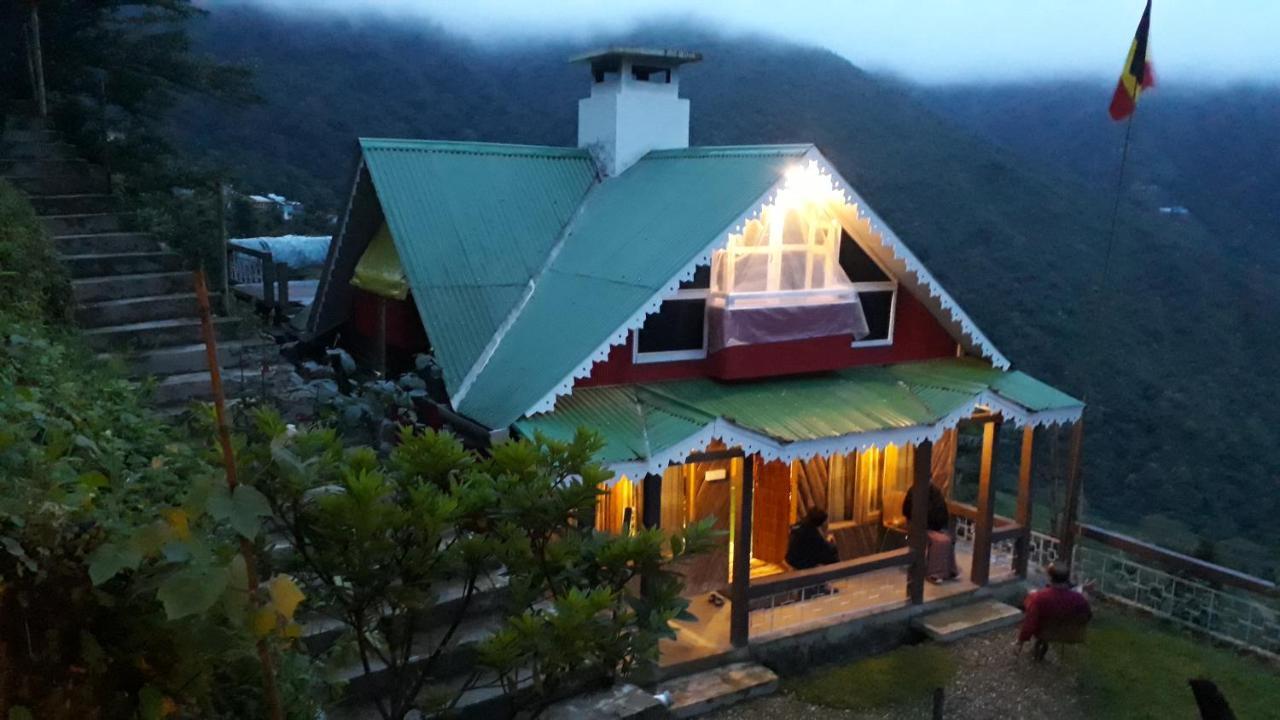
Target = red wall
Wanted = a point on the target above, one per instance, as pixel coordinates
(404, 328)
(916, 336)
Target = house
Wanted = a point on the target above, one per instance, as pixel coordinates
(273, 204)
(737, 323)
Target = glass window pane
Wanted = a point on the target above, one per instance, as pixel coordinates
(877, 307)
(750, 272)
(792, 276)
(676, 326)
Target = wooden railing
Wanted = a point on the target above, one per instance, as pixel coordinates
(800, 579)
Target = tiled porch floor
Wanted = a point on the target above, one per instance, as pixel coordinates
(858, 596)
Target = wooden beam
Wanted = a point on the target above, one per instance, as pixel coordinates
(918, 528)
(1067, 530)
(1022, 516)
(740, 612)
(981, 570)
(796, 580)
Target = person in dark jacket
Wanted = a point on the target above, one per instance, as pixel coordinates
(938, 517)
(807, 547)
(940, 551)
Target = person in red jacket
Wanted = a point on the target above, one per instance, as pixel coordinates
(1054, 604)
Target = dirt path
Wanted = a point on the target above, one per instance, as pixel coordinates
(991, 683)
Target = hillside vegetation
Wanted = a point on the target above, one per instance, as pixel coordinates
(1172, 357)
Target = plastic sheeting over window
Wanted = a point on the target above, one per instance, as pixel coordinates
(379, 270)
(780, 278)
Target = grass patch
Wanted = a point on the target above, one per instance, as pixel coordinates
(906, 675)
(1135, 669)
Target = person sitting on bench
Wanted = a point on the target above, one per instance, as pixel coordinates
(1056, 613)
(807, 547)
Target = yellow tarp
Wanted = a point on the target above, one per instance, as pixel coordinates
(379, 270)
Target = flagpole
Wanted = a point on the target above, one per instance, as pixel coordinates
(1115, 206)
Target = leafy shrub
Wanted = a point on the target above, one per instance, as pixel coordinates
(32, 282)
(113, 537)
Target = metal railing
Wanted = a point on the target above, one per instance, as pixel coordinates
(255, 275)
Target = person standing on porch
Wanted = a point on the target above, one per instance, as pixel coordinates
(940, 556)
(807, 547)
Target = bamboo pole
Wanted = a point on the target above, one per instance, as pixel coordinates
(38, 60)
(229, 462)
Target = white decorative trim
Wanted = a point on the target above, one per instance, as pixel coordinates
(900, 251)
(636, 321)
(769, 449)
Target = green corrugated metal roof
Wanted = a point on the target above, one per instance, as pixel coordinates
(632, 235)
(790, 409)
(473, 223)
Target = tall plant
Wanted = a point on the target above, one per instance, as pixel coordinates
(379, 538)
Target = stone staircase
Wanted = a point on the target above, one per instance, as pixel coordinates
(135, 298)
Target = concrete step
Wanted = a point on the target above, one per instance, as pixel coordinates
(110, 243)
(24, 118)
(138, 309)
(710, 690)
(457, 659)
(961, 622)
(81, 223)
(93, 181)
(39, 151)
(44, 167)
(182, 359)
(188, 387)
(134, 263)
(119, 287)
(33, 136)
(132, 337)
(72, 204)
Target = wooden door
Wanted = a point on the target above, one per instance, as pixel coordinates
(711, 497)
(771, 519)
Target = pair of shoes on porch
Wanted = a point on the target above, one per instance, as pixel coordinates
(716, 599)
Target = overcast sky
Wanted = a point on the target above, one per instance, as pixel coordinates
(925, 40)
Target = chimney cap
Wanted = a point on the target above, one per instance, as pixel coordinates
(656, 57)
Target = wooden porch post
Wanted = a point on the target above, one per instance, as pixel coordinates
(1022, 549)
(740, 616)
(380, 338)
(651, 502)
(917, 531)
(981, 571)
(1067, 531)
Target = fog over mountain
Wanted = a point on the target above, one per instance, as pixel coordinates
(1004, 191)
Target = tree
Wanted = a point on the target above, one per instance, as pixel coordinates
(379, 538)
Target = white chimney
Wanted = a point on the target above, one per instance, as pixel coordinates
(635, 105)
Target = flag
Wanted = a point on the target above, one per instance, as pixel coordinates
(1137, 75)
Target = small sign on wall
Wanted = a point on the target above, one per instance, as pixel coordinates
(714, 475)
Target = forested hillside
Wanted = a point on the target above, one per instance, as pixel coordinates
(1177, 365)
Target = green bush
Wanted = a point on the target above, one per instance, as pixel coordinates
(32, 282)
(113, 531)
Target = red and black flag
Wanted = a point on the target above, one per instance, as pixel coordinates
(1137, 75)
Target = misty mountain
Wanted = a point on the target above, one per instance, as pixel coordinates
(1172, 354)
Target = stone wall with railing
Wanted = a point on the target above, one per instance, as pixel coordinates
(1232, 615)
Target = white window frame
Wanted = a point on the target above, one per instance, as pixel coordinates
(881, 286)
(639, 358)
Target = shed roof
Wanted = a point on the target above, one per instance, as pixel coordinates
(647, 426)
(473, 223)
